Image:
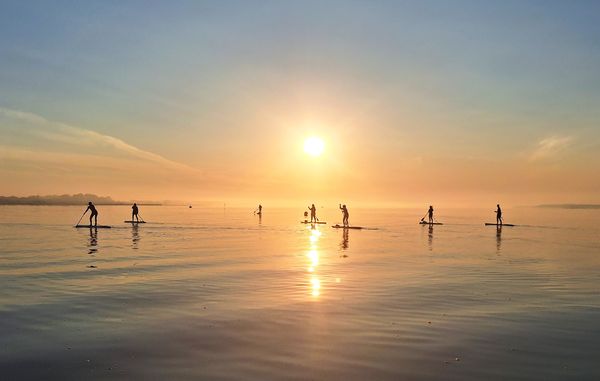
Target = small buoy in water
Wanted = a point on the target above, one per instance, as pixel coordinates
(190, 207)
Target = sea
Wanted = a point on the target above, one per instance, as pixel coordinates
(224, 294)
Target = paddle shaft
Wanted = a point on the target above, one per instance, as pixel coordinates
(81, 217)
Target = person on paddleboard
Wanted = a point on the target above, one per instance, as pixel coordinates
(345, 214)
(134, 212)
(93, 214)
(498, 215)
(313, 213)
(430, 214)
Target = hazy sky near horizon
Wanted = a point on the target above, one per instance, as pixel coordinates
(417, 101)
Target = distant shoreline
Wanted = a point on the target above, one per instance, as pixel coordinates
(570, 206)
(80, 204)
(67, 200)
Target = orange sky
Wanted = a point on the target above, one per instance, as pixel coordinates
(415, 104)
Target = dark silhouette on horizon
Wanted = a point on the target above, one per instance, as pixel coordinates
(498, 215)
(429, 214)
(345, 214)
(313, 213)
(134, 212)
(94, 213)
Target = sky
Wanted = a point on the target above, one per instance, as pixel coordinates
(454, 103)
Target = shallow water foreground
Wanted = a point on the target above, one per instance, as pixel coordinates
(223, 295)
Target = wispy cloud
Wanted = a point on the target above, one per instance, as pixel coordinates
(61, 132)
(551, 147)
(40, 155)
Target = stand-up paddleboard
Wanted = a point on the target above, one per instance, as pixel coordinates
(499, 225)
(93, 226)
(135, 222)
(430, 223)
(312, 223)
(337, 226)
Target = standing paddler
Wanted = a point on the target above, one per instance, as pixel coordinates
(313, 213)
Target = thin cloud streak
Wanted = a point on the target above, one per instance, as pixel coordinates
(65, 133)
(550, 147)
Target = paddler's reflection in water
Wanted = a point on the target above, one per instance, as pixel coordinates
(93, 242)
(135, 236)
(498, 238)
(345, 236)
(430, 237)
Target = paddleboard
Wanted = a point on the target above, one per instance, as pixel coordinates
(493, 224)
(92, 226)
(308, 222)
(135, 222)
(428, 223)
(346, 227)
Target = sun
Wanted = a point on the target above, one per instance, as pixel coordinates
(314, 146)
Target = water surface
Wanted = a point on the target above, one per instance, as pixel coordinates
(220, 294)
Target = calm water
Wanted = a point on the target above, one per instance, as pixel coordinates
(220, 295)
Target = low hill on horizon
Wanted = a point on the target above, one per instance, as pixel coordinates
(570, 206)
(64, 199)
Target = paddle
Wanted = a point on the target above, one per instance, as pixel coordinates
(81, 217)
(423, 219)
(141, 218)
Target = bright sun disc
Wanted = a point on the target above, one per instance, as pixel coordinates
(314, 146)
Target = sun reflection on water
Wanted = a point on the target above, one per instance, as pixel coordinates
(315, 286)
(313, 257)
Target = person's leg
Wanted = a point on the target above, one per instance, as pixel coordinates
(91, 216)
(95, 220)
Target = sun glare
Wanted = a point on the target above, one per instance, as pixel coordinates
(314, 146)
